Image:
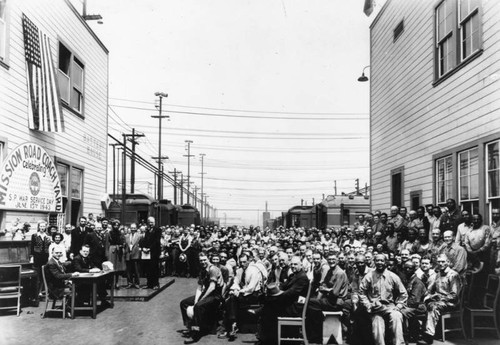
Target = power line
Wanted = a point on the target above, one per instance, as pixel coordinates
(247, 116)
(242, 110)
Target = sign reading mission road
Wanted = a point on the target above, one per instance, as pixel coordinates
(29, 180)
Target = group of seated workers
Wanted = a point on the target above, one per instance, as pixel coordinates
(391, 286)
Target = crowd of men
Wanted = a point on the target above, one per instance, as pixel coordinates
(391, 275)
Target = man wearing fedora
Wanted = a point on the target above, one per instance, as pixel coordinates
(283, 302)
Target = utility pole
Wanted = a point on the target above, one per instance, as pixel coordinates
(160, 160)
(202, 156)
(196, 189)
(159, 117)
(132, 159)
(114, 169)
(357, 186)
(335, 186)
(189, 155)
(182, 189)
(175, 172)
(207, 214)
(124, 178)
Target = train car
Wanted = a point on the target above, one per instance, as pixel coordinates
(344, 209)
(138, 207)
(187, 215)
(306, 216)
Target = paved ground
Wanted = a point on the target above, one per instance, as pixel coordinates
(154, 322)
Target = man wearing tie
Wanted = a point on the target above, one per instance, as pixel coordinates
(132, 257)
(56, 276)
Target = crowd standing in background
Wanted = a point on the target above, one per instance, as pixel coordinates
(391, 274)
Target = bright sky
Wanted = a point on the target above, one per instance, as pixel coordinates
(266, 89)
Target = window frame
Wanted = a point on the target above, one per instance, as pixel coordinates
(68, 199)
(72, 86)
(455, 40)
(5, 36)
(492, 201)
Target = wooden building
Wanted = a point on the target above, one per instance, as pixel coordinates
(53, 101)
(435, 104)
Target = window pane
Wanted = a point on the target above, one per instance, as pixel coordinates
(464, 163)
(77, 76)
(62, 171)
(493, 156)
(76, 183)
(76, 100)
(441, 193)
(473, 163)
(464, 188)
(449, 188)
(493, 183)
(449, 168)
(475, 33)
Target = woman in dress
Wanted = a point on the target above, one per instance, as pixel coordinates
(115, 241)
(40, 243)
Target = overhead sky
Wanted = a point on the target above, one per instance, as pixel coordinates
(266, 89)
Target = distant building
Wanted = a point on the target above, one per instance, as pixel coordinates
(53, 113)
(435, 104)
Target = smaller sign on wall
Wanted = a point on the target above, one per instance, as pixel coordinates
(29, 180)
(94, 147)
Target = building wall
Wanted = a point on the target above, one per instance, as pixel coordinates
(414, 121)
(84, 141)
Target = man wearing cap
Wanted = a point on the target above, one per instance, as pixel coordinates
(284, 303)
(332, 294)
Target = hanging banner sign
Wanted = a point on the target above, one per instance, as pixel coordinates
(29, 181)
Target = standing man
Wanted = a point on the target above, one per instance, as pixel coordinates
(96, 242)
(383, 295)
(151, 243)
(205, 301)
(442, 296)
(132, 257)
(78, 237)
(451, 218)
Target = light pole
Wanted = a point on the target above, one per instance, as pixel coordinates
(160, 117)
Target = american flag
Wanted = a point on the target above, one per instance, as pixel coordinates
(44, 107)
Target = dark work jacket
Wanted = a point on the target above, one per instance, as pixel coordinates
(81, 264)
(296, 285)
(77, 239)
(97, 248)
(56, 278)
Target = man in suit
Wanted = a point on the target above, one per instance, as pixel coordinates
(285, 302)
(96, 242)
(132, 256)
(56, 276)
(151, 243)
(78, 235)
(82, 263)
(279, 270)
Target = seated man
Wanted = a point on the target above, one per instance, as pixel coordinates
(204, 302)
(56, 276)
(285, 302)
(244, 291)
(332, 294)
(83, 264)
(425, 273)
(415, 304)
(442, 295)
(383, 295)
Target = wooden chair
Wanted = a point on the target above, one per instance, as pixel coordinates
(457, 313)
(299, 322)
(10, 286)
(49, 298)
(489, 308)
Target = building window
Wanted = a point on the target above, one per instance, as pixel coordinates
(71, 79)
(458, 33)
(468, 170)
(493, 174)
(398, 31)
(397, 187)
(71, 179)
(444, 179)
(3, 30)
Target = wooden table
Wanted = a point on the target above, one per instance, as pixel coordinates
(91, 279)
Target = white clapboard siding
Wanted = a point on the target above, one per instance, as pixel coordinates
(57, 19)
(411, 119)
